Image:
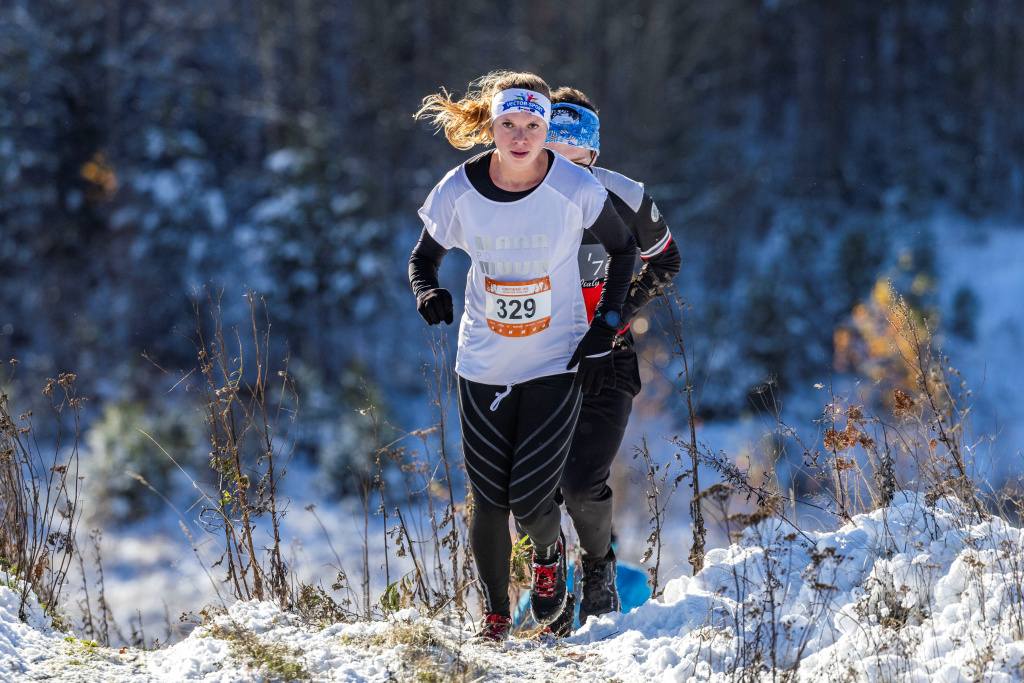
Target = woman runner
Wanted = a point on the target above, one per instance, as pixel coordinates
(574, 133)
(520, 212)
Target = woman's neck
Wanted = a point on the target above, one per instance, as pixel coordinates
(512, 179)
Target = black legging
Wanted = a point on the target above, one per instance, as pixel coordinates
(599, 431)
(515, 441)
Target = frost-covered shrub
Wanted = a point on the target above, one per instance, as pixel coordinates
(966, 308)
(859, 258)
(338, 426)
(121, 447)
(313, 238)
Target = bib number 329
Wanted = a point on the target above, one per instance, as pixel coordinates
(518, 309)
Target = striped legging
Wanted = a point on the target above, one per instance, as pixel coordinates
(515, 441)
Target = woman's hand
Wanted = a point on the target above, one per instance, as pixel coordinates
(594, 356)
(435, 305)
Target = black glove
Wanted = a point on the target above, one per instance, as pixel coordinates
(435, 305)
(594, 355)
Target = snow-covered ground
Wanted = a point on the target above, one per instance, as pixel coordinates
(949, 612)
(155, 573)
(912, 592)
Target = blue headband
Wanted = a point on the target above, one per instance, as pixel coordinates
(576, 126)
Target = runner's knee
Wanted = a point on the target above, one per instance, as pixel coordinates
(527, 512)
(582, 483)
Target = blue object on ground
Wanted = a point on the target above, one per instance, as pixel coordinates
(630, 580)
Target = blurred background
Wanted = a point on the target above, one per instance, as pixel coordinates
(802, 151)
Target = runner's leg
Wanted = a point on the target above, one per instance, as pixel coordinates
(548, 409)
(487, 438)
(599, 432)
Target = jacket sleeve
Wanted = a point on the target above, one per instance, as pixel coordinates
(618, 241)
(424, 263)
(660, 255)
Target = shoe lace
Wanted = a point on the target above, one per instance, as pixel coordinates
(495, 626)
(544, 579)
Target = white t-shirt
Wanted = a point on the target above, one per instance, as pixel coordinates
(524, 312)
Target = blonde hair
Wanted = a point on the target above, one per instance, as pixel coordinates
(467, 122)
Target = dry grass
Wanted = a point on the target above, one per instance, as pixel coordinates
(39, 495)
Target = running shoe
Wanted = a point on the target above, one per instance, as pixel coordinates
(548, 595)
(600, 596)
(496, 627)
(561, 627)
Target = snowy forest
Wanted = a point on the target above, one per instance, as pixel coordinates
(168, 165)
(148, 148)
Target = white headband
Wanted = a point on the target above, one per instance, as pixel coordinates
(520, 100)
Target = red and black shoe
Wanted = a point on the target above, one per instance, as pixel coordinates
(496, 627)
(548, 596)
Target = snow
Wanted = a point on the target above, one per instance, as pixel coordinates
(216, 209)
(988, 262)
(167, 188)
(286, 161)
(913, 592)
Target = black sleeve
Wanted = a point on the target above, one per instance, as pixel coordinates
(651, 281)
(649, 227)
(618, 241)
(424, 263)
(661, 263)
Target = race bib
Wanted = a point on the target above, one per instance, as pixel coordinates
(518, 309)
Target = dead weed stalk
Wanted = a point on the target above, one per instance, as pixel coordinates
(39, 496)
